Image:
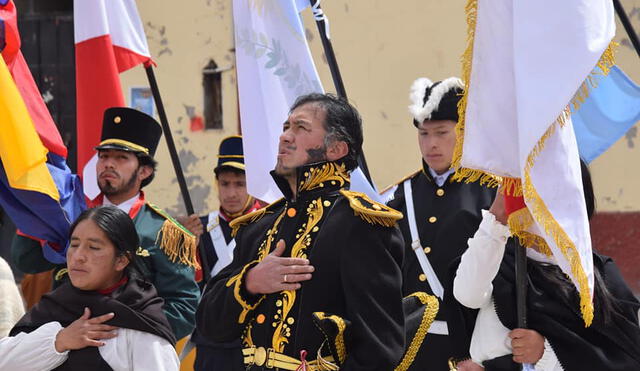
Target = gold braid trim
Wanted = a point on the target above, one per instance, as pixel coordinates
(178, 245)
(339, 341)
(400, 181)
(315, 210)
(252, 217)
(371, 211)
(428, 316)
(552, 228)
(316, 177)
(236, 281)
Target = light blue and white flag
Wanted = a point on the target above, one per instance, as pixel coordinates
(274, 67)
(607, 114)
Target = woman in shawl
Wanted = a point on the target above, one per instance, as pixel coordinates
(129, 330)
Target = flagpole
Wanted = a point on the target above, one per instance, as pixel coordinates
(182, 183)
(521, 284)
(624, 19)
(335, 71)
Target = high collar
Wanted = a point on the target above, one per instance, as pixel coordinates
(319, 177)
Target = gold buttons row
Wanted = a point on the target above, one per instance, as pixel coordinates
(440, 192)
(433, 219)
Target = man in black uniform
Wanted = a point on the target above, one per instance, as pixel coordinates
(219, 245)
(439, 214)
(321, 252)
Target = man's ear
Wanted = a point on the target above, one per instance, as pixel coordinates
(144, 172)
(337, 150)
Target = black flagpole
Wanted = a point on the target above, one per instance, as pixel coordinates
(521, 285)
(335, 73)
(182, 183)
(622, 15)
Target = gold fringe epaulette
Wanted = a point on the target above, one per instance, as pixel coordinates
(371, 211)
(387, 188)
(252, 217)
(176, 241)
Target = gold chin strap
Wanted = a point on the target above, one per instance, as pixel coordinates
(247, 205)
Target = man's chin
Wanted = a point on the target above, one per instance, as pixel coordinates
(284, 171)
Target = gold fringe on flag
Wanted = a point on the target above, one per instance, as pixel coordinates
(537, 206)
(519, 222)
(535, 203)
(465, 174)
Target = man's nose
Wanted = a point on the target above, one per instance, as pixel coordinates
(286, 136)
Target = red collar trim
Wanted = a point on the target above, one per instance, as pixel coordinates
(113, 288)
(135, 209)
(255, 206)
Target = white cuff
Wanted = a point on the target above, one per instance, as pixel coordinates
(493, 228)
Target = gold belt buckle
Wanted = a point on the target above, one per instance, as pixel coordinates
(270, 358)
(260, 356)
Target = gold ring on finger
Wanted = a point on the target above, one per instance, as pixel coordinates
(285, 278)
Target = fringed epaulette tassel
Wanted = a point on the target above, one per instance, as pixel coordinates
(371, 211)
(178, 244)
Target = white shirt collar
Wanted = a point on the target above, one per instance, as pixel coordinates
(124, 206)
(440, 179)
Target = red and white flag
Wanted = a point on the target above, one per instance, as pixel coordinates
(109, 39)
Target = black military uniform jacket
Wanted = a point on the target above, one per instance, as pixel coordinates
(357, 253)
(446, 217)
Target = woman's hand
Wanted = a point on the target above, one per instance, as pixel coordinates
(85, 332)
(527, 345)
(497, 208)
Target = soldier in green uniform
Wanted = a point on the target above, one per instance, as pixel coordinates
(321, 252)
(167, 250)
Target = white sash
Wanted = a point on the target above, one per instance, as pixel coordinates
(437, 327)
(223, 251)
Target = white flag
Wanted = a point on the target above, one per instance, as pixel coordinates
(274, 67)
(527, 64)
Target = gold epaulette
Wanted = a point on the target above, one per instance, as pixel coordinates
(371, 211)
(176, 241)
(400, 181)
(252, 217)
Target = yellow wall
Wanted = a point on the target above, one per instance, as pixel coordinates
(381, 47)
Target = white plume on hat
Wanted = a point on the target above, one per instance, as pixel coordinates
(422, 111)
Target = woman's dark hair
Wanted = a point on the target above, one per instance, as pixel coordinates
(604, 303)
(117, 226)
(342, 122)
(587, 185)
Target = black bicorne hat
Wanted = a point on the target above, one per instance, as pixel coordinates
(127, 129)
(230, 154)
(435, 101)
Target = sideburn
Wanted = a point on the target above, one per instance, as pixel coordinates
(317, 154)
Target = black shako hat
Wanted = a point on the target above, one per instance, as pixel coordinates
(127, 129)
(230, 154)
(435, 101)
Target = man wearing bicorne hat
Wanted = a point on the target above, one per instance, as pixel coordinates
(440, 214)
